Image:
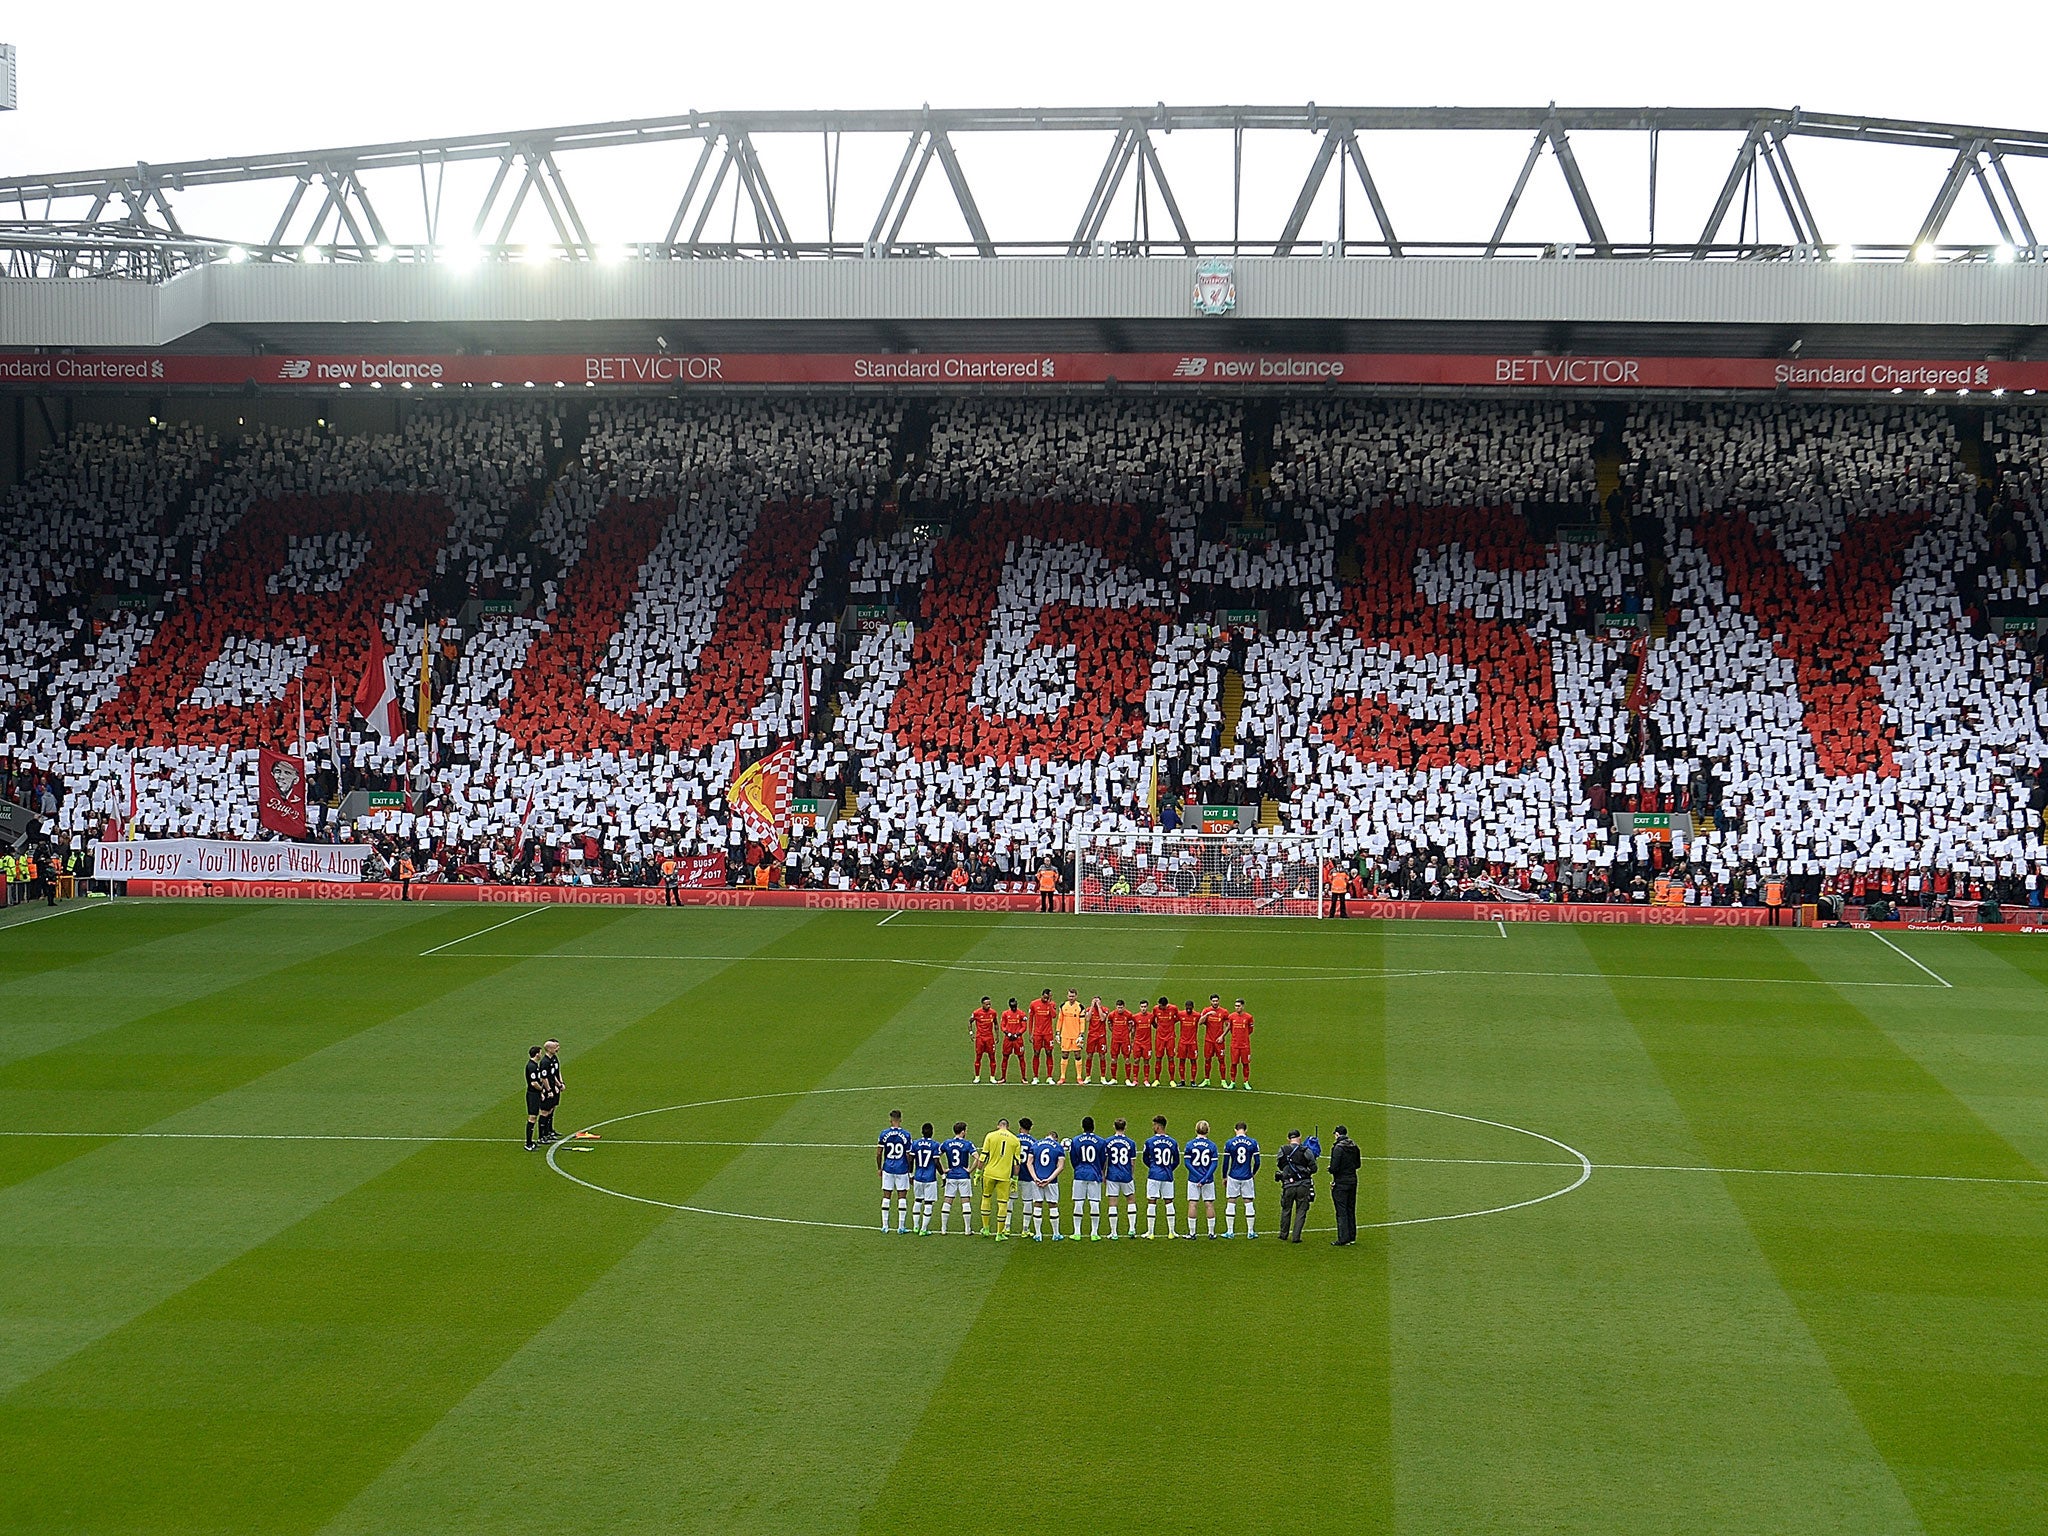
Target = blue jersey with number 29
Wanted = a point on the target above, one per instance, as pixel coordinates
(895, 1145)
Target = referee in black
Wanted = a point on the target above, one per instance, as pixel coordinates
(536, 1093)
(1344, 1160)
(551, 1095)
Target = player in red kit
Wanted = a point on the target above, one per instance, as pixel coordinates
(984, 1038)
(1185, 1058)
(1240, 1047)
(1120, 1022)
(1012, 1022)
(1165, 1021)
(1098, 1042)
(1045, 1014)
(1215, 1019)
(1141, 1046)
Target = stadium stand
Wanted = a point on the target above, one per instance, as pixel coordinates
(1471, 647)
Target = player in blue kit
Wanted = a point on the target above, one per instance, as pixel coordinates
(1042, 1159)
(924, 1179)
(1085, 1154)
(1240, 1178)
(892, 1161)
(1162, 1156)
(1200, 1156)
(1120, 1161)
(956, 1160)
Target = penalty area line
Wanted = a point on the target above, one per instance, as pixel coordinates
(529, 912)
(885, 922)
(1888, 944)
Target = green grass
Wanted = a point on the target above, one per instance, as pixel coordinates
(276, 1262)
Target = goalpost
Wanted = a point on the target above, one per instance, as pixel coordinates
(1197, 874)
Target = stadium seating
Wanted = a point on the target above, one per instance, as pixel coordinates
(986, 620)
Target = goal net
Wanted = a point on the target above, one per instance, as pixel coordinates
(1198, 874)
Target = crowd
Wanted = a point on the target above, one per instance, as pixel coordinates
(1450, 641)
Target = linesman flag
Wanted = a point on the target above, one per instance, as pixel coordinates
(376, 700)
(760, 794)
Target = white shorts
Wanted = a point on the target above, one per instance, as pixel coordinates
(964, 1188)
(1122, 1190)
(1239, 1189)
(1041, 1194)
(1087, 1191)
(1159, 1189)
(891, 1182)
(1202, 1192)
(926, 1190)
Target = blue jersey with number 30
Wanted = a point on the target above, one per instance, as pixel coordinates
(1162, 1156)
(924, 1160)
(895, 1145)
(1201, 1156)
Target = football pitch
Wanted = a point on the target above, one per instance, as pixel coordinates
(1672, 1230)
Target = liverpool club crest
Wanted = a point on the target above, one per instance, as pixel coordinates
(1215, 288)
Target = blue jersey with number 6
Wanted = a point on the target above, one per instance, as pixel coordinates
(1045, 1158)
(1201, 1157)
(1162, 1156)
(895, 1145)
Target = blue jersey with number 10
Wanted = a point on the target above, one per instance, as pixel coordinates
(924, 1160)
(895, 1145)
(1201, 1157)
(1162, 1156)
(1120, 1154)
(958, 1156)
(1086, 1151)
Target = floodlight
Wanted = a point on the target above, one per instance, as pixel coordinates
(386, 253)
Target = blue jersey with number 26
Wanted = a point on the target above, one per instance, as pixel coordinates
(1201, 1155)
(895, 1145)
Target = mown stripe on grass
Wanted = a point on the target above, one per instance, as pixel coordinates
(29, 950)
(1820, 1084)
(361, 1325)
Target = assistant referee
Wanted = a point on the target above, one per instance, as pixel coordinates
(536, 1094)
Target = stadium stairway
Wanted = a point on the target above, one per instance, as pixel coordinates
(1233, 706)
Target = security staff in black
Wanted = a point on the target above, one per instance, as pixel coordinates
(536, 1093)
(1297, 1176)
(1344, 1160)
(551, 1061)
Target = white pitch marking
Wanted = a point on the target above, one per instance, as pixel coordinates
(529, 912)
(1888, 944)
(30, 922)
(885, 922)
(1247, 972)
(1502, 926)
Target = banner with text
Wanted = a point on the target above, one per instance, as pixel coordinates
(669, 370)
(195, 858)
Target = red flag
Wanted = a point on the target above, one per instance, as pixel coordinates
(281, 793)
(376, 700)
(134, 800)
(760, 794)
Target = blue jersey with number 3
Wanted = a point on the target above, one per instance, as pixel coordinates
(1162, 1156)
(924, 1160)
(895, 1145)
(958, 1156)
(1201, 1156)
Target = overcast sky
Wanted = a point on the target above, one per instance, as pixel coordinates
(119, 82)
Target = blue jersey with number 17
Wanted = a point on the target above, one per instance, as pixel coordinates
(1201, 1157)
(957, 1154)
(1162, 1156)
(924, 1161)
(1120, 1154)
(895, 1145)
(1085, 1151)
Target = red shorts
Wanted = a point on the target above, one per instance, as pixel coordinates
(1187, 1048)
(1098, 1045)
(1241, 1052)
(1041, 1042)
(1013, 1045)
(1213, 1047)
(984, 1044)
(1120, 1045)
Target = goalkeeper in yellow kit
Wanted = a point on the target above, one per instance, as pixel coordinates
(997, 1165)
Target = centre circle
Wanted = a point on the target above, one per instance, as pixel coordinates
(1574, 1167)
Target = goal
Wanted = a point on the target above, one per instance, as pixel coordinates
(1198, 874)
